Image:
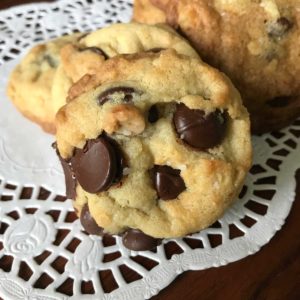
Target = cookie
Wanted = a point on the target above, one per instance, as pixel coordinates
(30, 84)
(96, 47)
(256, 43)
(146, 12)
(49, 70)
(154, 145)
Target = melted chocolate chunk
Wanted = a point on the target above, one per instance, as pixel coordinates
(120, 160)
(88, 222)
(280, 27)
(70, 179)
(168, 182)
(127, 91)
(95, 50)
(96, 166)
(279, 101)
(136, 240)
(153, 114)
(199, 130)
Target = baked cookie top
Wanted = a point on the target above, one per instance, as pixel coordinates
(96, 47)
(100, 45)
(255, 42)
(30, 84)
(39, 85)
(158, 142)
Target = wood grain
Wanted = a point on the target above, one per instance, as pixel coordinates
(8, 3)
(273, 273)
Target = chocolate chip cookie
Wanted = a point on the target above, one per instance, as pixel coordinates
(96, 47)
(39, 85)
(145, 11)
(31, 83)
(256, 43)
(154, 145)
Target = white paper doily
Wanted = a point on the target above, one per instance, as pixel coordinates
(45, 255)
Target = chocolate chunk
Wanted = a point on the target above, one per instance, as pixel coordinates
(279, 101)
(96, 165)
(106, 96)
(136, 240)
(120, 160)
(280, 27)
(70, 179)
(95, 50)
(153, 114)
(168, 182)
(284, 22)
(88, 222)
(199, 130)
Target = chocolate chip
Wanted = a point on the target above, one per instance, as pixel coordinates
(284, 22)
(168, 182)
(120, 160)
(96, 165)
(153, 114)
(279, 102)
(106, 96)
(88, 222)
(95, 50)
(70, 179)
(199, 130)
(280, 27)
(136, 240)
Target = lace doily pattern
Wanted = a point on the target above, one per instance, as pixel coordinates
(45, 254)
(25, 25)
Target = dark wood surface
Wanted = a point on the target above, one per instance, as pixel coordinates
(272, 273)
(8, 3)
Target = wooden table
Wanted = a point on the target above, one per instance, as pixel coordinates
(272, 273)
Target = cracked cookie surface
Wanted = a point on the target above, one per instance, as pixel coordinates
(155, 143)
